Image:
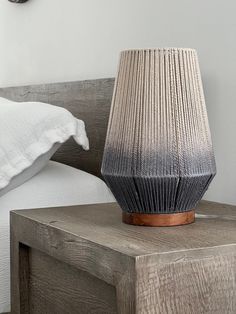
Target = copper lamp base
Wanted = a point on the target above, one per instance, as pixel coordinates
(159, 220)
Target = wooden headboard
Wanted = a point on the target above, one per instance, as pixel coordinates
(88, 100)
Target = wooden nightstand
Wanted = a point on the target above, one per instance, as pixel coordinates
(83, 259)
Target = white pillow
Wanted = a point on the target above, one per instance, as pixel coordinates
(31, 171)
(29, 130)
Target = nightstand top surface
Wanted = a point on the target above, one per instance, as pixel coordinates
(215, 227)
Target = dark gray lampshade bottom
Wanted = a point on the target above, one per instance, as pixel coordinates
(152, 195)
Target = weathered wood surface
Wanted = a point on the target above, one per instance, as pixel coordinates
(19, 275)
(75, 291)
(188, 269)
(88, 100)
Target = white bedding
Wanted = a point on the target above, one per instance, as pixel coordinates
(29, 130)
(55, 185)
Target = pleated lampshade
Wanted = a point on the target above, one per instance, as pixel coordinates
(158, 158)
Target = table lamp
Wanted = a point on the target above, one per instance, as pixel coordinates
(158, 159)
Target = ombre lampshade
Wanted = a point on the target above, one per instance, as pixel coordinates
(158, 159)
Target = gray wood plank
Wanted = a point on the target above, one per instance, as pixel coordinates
(88, 100)
(94, 222)
(178, 270)
(78, 252)
(75, 291)
(188, 285)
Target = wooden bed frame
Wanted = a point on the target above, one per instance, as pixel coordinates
(88, 100)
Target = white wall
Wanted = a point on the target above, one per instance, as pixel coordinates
(57, 40)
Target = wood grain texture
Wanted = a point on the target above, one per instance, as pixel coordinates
(187, 269)
(23, 278)
(19, 276)
(188, 285)
(88, 100)
(75, 291)
(94, 222)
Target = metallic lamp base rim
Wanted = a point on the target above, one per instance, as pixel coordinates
(159, 220)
